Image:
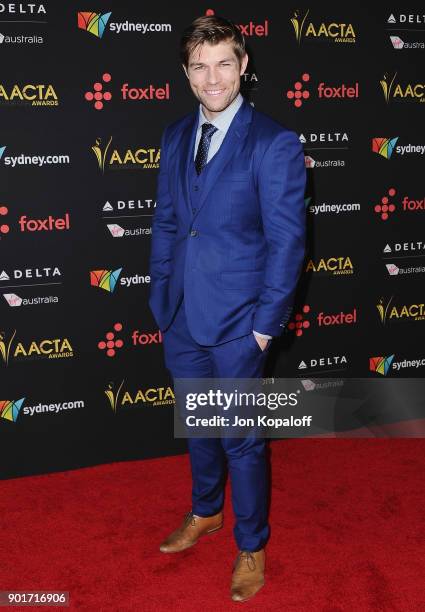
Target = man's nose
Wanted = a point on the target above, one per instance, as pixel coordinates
(212, 76)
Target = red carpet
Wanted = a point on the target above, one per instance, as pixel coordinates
(348, 533)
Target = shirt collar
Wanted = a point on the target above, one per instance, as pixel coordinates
(224, 119)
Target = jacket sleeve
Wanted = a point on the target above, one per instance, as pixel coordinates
(163, 232)
(281, 186)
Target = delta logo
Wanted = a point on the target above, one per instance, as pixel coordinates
(300, 92)
(301, 321)
(150, 396)
(411, 248)
(316, 138)
(249, 29)
(147, 92)
(140, 158)
(27, 8)
(385, 147)
(331, 266)
(325, 364)
(390, 312)
(97, 23)
(29, 94)
(113, 340)
(394, 90)
(55, 348)
(10, 409)
(31, 273)
(148, 204)
(406, 204)
(331, 31)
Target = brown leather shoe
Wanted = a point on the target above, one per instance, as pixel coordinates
(192, 528)
(248, 574)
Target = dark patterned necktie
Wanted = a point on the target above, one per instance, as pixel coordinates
(204, 144)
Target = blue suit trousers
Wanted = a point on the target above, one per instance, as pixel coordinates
(245, 458)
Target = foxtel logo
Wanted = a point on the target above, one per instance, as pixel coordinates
(300, 93)
(48, 224)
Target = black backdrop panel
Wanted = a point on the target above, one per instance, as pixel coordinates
(82, 379)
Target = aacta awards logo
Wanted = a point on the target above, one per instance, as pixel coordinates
(394, 90)
(140, 158)
(406, 312)
(9, 409)
(55, 348)
(153, 396)
(331, 265)
(28, 95)
(329, 31)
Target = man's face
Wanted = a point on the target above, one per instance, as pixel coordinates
(214, 75)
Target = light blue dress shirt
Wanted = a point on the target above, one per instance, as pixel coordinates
(222, 123)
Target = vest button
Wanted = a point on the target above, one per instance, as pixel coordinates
(194, 233)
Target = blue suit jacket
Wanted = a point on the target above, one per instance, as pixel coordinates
(238, 258)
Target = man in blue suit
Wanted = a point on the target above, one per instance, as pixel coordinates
(228, 243)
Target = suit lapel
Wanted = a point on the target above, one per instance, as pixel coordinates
(186, 148)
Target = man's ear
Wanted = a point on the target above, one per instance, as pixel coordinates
(185, 70)
(244, 64)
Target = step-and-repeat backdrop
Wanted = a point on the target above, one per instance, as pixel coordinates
(86, 90)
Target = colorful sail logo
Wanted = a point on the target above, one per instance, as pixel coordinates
(105, 279)
(9, 409)
(384, 146)
(94, 23)
(380, 365)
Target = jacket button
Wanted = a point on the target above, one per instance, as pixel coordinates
(194, 233)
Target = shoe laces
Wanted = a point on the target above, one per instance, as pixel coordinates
(249, 557)
(190, 518)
